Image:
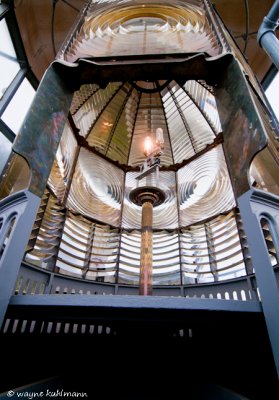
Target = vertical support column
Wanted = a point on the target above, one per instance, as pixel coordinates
(179, 232)
(120, 236)
(146, 197)
(253, 206)
(211, 251)
(89, 247)
(145, 284)
(37, 143)
(118, 254)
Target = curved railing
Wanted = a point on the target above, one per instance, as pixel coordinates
(35, 281)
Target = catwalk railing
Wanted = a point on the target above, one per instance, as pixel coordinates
(35, 281)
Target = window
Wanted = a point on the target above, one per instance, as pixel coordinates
(5, 149)
(9, 65)
(272, 94)
(14, 114)
(17, 82)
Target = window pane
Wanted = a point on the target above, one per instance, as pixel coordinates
(272, 95)
(5, 149)
(9, 67)
(19, 105)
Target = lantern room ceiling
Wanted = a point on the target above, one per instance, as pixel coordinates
(44, 26)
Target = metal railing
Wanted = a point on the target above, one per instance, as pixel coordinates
(34, 281)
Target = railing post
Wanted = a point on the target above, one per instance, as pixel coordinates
(49, 284)
(20, 207)
(253, 205)
(254, 294)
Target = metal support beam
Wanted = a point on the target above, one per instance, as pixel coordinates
(255, 205)
(145, 283)
(39, 136)
(4, 8)
(89, 247)
(8, 133)
(74, 303)
(211, 251)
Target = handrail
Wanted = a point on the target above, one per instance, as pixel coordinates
(34, 280)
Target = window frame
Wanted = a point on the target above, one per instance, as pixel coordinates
(8, 14)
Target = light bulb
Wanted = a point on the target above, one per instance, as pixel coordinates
(159, 136)
(148, 146)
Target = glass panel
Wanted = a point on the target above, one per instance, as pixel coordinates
(89, 102)
(88, 250)
(212, 251)
(166, 260)
(5, 151)
(264, 166)
(272, 94)
(9, 66)
(194, 254)
(45, 238)
(160, 28)
(204, 188)
(116, 120)
(188, 126)
(129, 260)
(17, 109)
(63, 165)
(97, 192)
(150, 116)
(111, 134)
(202, 95)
